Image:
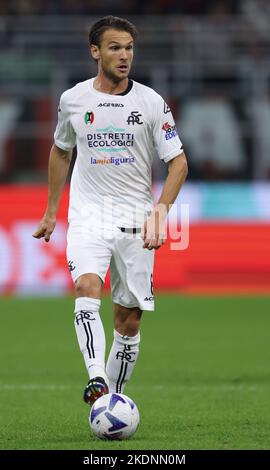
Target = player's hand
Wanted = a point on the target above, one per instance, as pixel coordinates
(154, 230)
(46, 228)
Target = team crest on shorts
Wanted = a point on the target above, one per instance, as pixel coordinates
(71, 266)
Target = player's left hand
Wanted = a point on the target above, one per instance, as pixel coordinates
(154, 230)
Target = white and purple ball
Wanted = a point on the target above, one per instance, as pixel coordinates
(114, 416)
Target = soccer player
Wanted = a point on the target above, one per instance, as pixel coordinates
(118, 125)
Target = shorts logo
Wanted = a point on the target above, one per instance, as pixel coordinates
(70, 266)
(89, 117)
(170, 130)
(151, 298)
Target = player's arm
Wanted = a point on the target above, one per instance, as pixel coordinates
(59, 163)
(154, 230)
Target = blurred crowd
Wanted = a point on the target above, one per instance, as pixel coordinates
(222, 107)
(196, 7)
(250, 8)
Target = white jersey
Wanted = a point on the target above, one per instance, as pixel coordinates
(117, 137)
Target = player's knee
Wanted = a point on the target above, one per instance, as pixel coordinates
(88, 285)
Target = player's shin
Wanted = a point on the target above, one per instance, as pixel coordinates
(121, 361)
(91, 336)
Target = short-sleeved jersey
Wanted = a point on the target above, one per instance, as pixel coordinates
(117, 137)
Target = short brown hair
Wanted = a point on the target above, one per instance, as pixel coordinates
(110, 22)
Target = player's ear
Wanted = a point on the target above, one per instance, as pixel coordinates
(94, 51)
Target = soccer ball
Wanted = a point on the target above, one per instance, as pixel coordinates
(114, 416)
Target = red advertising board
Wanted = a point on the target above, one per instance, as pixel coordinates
(220, 258)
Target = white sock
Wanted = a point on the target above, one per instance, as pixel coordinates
(121, 361)
(91, 336)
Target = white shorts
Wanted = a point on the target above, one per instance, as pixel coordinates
(131, 266)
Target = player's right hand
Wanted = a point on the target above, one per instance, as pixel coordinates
(154, 230)
(46, 228)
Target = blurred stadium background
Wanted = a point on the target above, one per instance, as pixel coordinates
(210, 59)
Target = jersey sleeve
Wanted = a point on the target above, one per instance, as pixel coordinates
(64, 136)
(165, 136)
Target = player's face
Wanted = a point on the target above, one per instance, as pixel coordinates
(115, 54)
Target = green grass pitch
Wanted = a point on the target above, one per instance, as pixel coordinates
(202, 380)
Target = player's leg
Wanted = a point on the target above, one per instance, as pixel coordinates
(88, 263)
(132, 291)
(125, 348)
(90, 333)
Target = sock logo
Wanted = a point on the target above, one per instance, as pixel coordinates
(83, 315)
(126, 354)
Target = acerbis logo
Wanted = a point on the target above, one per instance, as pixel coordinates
(89, 117)
(113, 105)
(170, 130)
(134, 118)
